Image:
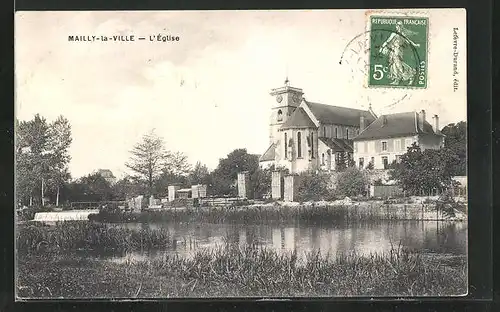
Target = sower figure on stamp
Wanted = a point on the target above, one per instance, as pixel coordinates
(393, 48)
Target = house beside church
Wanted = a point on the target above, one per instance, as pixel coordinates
(310, 136)
(389, 137)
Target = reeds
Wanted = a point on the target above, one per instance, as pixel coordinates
(312, 214)
(67, 236)
(254, 271)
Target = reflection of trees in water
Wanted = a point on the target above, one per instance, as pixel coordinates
(282, 236)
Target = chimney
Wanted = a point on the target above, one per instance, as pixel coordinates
(435, 124)
(361, 123)
(421, 120)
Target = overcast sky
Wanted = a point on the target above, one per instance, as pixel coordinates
(208, 93)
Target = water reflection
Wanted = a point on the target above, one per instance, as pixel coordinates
(427, 236)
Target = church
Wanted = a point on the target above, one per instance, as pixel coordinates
(306, 136)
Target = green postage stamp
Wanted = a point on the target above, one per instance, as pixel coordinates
(398, 51)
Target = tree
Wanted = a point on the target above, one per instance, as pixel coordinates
(225, 175)
(59, 141)
(370, 165)
(199, 174)
(422, 172)
(456, 141)
(341, 162)
(148, 159)
(31, 158)
(92, 187)
(127, 187)
(177, 164)
(352, 182)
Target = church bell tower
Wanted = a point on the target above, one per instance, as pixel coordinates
(286, 100)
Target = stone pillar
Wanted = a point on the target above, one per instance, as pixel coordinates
(243, 184)
(202, 190)
(152, 201)
(171, 192)
(277, 185)
(291, 187)
(138, 203)
(195, 191)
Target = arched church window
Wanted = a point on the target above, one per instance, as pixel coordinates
(347, 133)
(324, 132)
(286, 147)
(280, 115)
(323, 159)
(336, 132)
(312, 144)
(299, 144)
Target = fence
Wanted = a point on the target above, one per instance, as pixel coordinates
(96, 205)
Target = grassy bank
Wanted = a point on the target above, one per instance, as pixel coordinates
(246, 271)
(310, 214)
(71, 236)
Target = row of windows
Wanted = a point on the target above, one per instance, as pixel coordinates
(364, 147)
(289, 143)
(385, 161)
(336, 133)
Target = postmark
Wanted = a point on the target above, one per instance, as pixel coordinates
(398, 51)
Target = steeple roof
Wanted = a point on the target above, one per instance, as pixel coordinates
(299, 119)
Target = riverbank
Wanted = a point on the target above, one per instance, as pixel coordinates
(241, 272)
(289, 213)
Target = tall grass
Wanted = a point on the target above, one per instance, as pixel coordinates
(67, 236)
(254, 271)
(315, 214)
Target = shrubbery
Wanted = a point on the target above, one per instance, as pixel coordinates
(315, 187)
(352, 182)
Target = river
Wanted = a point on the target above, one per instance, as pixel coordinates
(446, 238)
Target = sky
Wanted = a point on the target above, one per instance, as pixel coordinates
(208, 93)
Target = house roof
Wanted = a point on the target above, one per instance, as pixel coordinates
(269, 154)
(338, 145)
(330, 114)
(106, 173)
(395, 125)
(299, 119)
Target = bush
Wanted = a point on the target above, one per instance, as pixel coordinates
(352, 182)
(314, 187)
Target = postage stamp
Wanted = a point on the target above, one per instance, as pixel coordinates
(398, 51)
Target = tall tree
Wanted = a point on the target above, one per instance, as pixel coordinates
(32, 161)
(59, 141)
(225, 175)
(176, 163)
(148, 159)
(456, 141)
(199, 174)
(421, 172)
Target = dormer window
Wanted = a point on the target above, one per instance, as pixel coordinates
(280, 115)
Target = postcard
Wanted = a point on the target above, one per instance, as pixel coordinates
(241, 154)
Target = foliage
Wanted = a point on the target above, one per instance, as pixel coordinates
(456, 141)
(91, 188)
(200, 174)
(341, 162)
(232, 271)
(260, 182)
(42, 158)
(370, 165)
(352, 182)
(224, 177)
(155, 166)
(148, 159)
(422, 172)
(314, 187)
